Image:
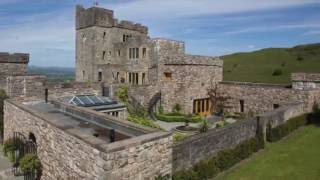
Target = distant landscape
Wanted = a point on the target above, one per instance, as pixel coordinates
(272, 65)
(54, 73)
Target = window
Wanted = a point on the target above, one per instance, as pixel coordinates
(168, 76)
(126, 37)
(134, 78)
(201, 106)
(100, 76)
(133, 53)
(119, 53)
(104, 35)
(110, 53)
(241, 105)
(143, 78)
(83, 74)
(276, 106)
(144, 52)
(103, 54)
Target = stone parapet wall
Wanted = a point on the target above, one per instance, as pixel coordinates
(259, 98)
(63, 156)
(26, 86)
(199, 147)
(21, 58)
(305, 81)
(57, 90)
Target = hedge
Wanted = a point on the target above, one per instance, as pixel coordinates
(222, 161)
(277, 133)
(143, 121)
(176, 117)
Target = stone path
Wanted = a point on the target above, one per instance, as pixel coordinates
(5, 168)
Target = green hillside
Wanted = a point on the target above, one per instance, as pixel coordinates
(272, 65)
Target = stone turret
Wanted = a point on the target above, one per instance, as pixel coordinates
(14, 58)
(96, 16)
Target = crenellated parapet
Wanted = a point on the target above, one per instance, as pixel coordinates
(96, 16)
(6, 57)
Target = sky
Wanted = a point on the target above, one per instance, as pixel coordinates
(46, 30)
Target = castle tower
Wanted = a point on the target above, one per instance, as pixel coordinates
(99, 43)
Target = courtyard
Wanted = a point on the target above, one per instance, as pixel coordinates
(295, 157)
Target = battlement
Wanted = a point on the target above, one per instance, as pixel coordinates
(96, 16)
(6, 57)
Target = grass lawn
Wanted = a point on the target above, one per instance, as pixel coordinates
(296, 157)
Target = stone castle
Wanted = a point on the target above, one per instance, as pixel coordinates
(75, 141)
(116, 53)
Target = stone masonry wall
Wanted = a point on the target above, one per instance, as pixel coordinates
(199, 147)
(64, 156)
(305, 81)
(262, 97)
(26, 86)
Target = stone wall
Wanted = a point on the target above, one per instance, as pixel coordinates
(265, 97)
(199, 147)
(305, 81)
(57, 90)
(26, 86)
(64, 156)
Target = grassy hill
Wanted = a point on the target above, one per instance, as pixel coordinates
(272, 65)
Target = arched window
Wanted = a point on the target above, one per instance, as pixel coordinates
(32, 138)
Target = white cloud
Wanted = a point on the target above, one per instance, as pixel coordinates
(155, 9)
(273, 28)
(315, 32)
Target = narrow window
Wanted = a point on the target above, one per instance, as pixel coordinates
(130, 53)
(144, 52)
(276, 106)
(137, 78)
(202, 107)
(104, 35)
(100, 76)
(124, 38)
(137, 53)
(118, 75)
(110, 53)
(242, 106)
(168, 76)
(143, 78)
(103, 54)
(119, 53)
(129, 77)
(194, 107)
(207, 104)
(133, 53)
(83, 74)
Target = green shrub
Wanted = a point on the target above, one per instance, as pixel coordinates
(122, 93)
(277, 133)
(277, 72)
(204, 126)
(10, 146)
(29, 163)
(179, 137)
(176, 108)
(177, 117)
(143, 121)
(223, 160)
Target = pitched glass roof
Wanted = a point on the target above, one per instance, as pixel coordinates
(91, 100)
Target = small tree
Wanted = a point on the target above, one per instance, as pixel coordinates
(204, 126)
(122, 93)
(218, 100)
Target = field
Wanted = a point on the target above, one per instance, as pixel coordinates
(259, 66)
(296, 157)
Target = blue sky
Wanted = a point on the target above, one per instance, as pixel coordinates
(45, 28)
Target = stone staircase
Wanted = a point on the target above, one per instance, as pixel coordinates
(152, 104)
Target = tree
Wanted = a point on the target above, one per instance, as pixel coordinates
(3, 96)
(217, 99)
